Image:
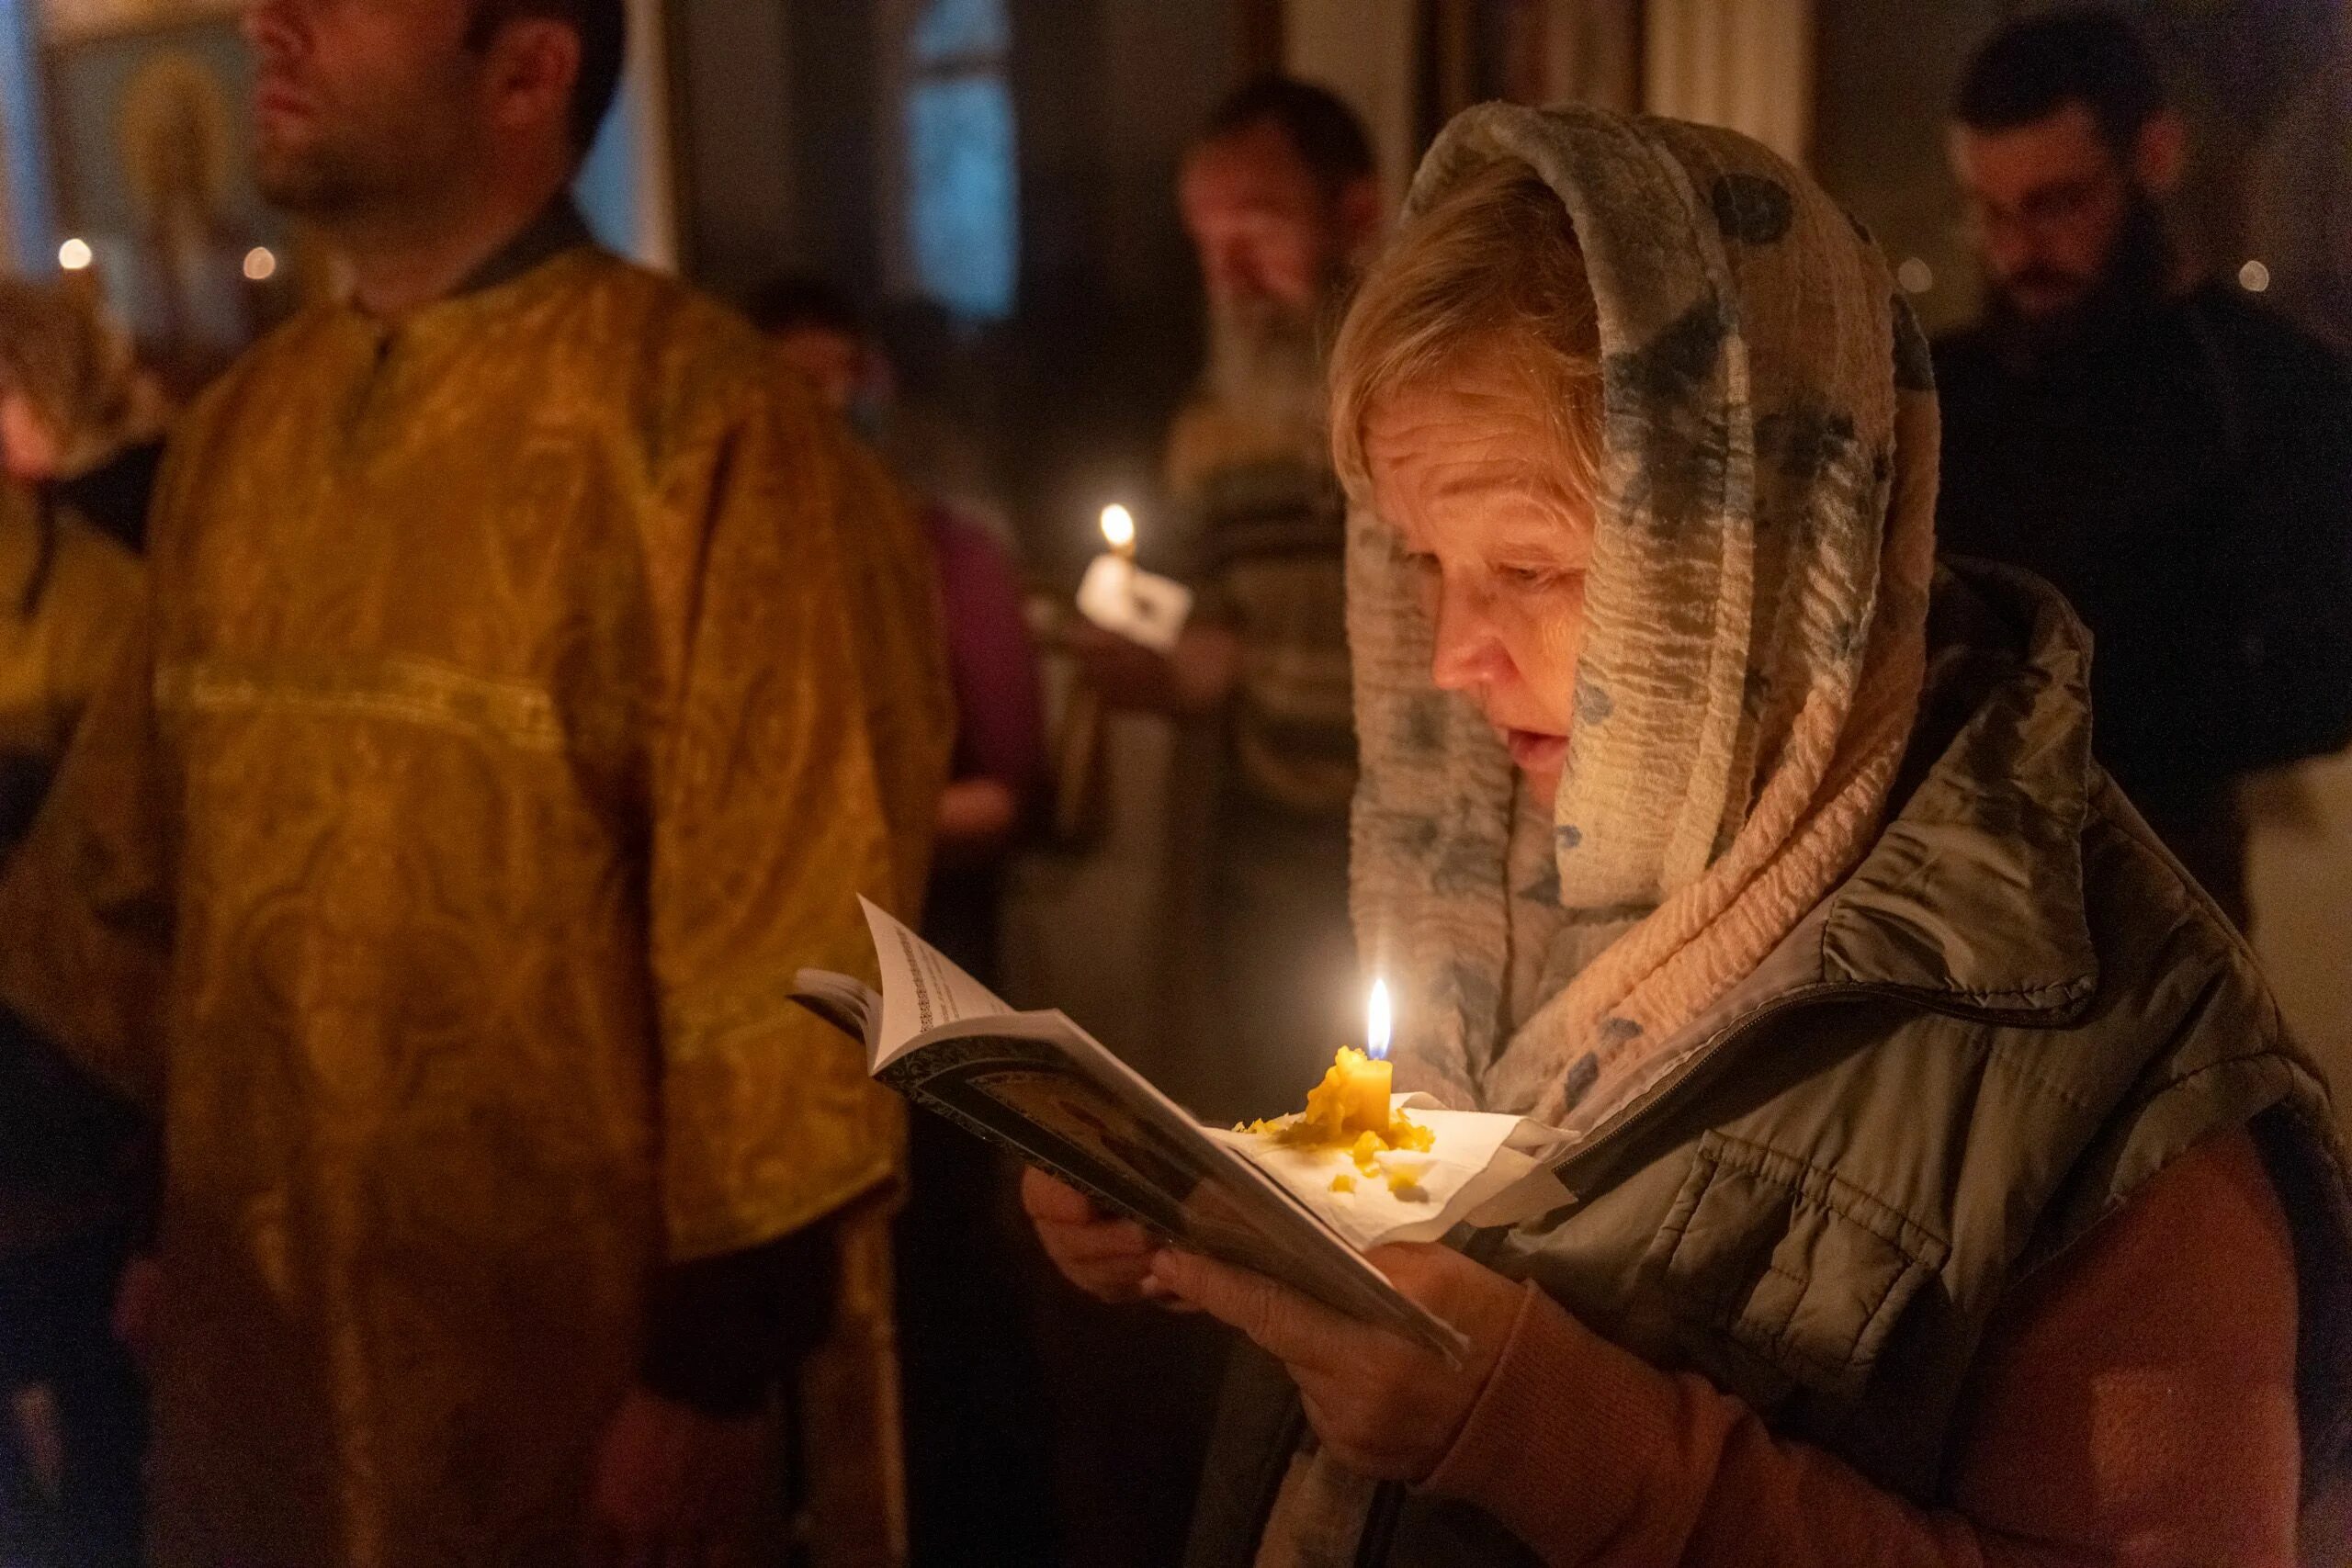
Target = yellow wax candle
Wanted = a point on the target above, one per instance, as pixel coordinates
(1365, 1093)
(1352, 1098)
(1349, 1109)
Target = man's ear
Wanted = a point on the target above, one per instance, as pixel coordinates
(2160, 152)
(1359, 213)
(534, 63)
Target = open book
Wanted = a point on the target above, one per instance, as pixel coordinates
(1038, 1085)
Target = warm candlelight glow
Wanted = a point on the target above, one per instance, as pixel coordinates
(260, 264)
(1352, 1108)
(75, 255)
(1119, 528)
(1349, 1109)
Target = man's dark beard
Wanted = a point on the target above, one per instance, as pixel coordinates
(2138, 279)
(309, 189)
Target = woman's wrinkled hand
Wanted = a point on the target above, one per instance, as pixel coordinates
(1383, 1406)
(1108, 1258)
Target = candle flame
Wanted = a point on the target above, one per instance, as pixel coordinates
(1119, 527)
(1378, 1022)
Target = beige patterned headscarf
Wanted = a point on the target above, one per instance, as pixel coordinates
(1753, 646)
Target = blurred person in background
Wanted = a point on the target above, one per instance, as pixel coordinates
(1256, 961)
(2171, 455)
(531, 688)
(92, 433)
(78, 434)
(1000, 760)
(1282, 199)
(975, 1422)
(75, 1164)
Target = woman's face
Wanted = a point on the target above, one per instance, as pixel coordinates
(1466, 468)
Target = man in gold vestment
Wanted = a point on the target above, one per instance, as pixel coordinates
(532, 684)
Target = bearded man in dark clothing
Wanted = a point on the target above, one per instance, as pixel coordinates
(2177, 459)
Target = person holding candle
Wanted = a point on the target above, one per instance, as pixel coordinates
(1704, 820)
(1280, 198)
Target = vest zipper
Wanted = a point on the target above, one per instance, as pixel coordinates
(1380, 1525)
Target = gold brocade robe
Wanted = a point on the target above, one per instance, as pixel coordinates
(532, 685)
(68, 594)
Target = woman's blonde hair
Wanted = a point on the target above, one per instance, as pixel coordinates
(1492, 272)
(61, 354)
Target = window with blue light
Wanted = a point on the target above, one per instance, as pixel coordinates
(29, 220)
(948, 29)
(962, 194)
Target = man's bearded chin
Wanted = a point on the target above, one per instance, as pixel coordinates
(2137, 279)
(345, 175)
(1265, 367)
(309, 182)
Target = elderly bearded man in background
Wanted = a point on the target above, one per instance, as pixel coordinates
(1280, 198)
(513, 720)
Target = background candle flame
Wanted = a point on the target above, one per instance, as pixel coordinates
(1119, 527)
(1378, 1022)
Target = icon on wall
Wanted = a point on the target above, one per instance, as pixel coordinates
(153, 147)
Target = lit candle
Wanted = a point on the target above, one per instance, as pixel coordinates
(1352, 1099)
(1119, 531)
(1121, 597)
(1350, 1109)
(1367, 1072)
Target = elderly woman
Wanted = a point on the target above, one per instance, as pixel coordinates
(1937, 1143)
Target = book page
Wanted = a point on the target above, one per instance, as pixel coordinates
(847, 1003)
(921, 988)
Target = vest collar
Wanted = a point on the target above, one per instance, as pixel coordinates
(1972, 900)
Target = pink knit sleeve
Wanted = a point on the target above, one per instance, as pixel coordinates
(2138, 1407)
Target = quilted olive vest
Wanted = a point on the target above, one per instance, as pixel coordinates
(2016, 1012)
